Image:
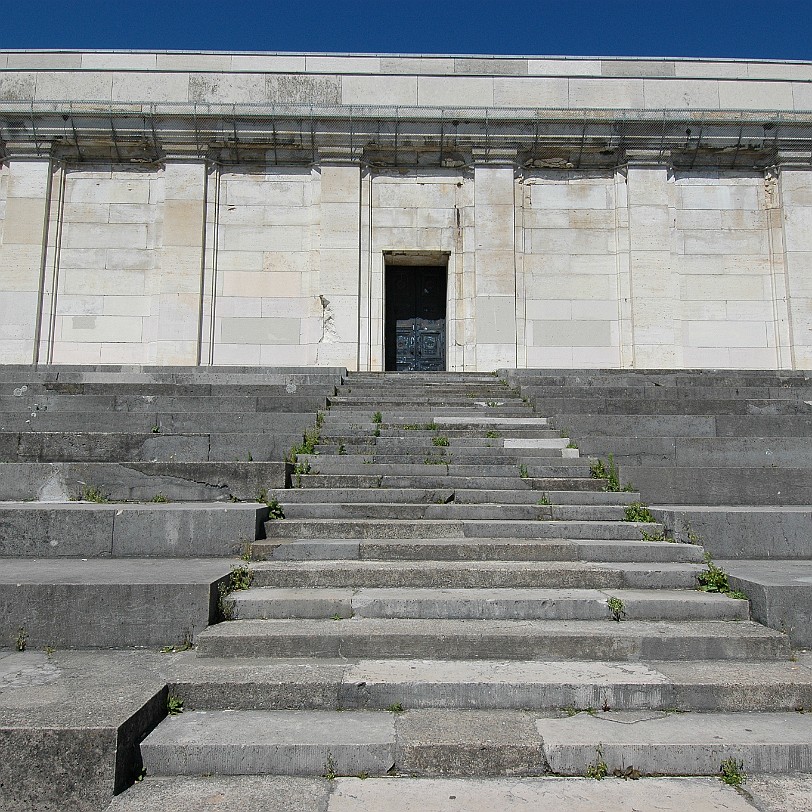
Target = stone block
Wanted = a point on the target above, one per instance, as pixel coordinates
(150, 87)
(458, 91)
(752, 95)
(530, 92)
(379, 90)
(572, 333)
(495, 320)
(260, 331)
(301, 89)
(681, 94)
(568, 66)
(606, 93)
(57, 85)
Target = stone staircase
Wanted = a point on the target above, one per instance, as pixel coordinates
(447, 591)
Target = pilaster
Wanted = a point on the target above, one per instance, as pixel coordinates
(495, 246)
(653, 289)
(27, 293)
(789, 199)
(340, 259)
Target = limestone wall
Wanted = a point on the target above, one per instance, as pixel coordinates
(182, 251)
(638, 267)
(651, 84)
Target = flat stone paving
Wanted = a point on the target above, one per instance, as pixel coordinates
(280, 794)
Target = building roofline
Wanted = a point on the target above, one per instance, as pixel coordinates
(373, 55)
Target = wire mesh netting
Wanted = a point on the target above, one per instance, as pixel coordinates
(401, 136)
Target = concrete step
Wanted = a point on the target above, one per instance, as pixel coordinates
(265, 603)
(167, 422)
(454, 528)
(417, 452)
(279, 794)
(307, 549)
(107, 603)
(92, 530)
(433, 479)
(140, 481)
(428, 742)
(272, 742)
(476, 574)
(148, 446)
(678, 744)
(444, 456)
(455, 512)
(210, 683)
(495, 639)
(333, 464)
(460, 496)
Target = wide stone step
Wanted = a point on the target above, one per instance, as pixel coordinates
(210, 683)
(630, 640)
(473, 793)
(333, 429)
(307, 549)
(140, 481)
(334, 464)
(435, 480)
(153, 445)
(456, 512)
(678, 744)
(92, 530)
(107, 603)
(265, 603)
(459, 496)
(476, 574)
(443, 456)
(454, 528)
(272, 742)
(418, 452)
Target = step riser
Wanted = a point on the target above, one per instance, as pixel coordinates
(542, 696)
(497, 647)
(374, 549)
(454, 512)
(434, 528)
(368, 480)
(462, 579)
(492, 609)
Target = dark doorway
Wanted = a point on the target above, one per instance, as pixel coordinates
(414, 326)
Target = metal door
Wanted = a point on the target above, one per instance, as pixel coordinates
(415, 319)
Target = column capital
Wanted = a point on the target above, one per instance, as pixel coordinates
(497, 156)
(648, 157)
(793, 159)
(340, 155)
(28, 150)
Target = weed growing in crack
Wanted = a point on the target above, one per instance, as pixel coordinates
(715, 579)
(440, 441)
(610, 474)
(377, 418)
(599, 769)
(21, 640)
(174, 705)
(638, 512)
(239, 579)
(731, 772)
(617, 608)
(523, 473)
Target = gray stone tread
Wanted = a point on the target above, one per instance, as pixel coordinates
(544, 794)
(514, 603)
(692, 744)
(489, 639)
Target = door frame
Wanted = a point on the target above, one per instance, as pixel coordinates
(437, 259)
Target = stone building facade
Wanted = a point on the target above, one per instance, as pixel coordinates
(465, 213)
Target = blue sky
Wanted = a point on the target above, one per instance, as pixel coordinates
(779, 29)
